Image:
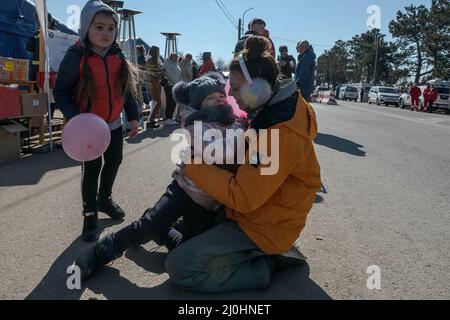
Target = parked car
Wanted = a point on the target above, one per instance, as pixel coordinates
(383, 95)
(349, 93)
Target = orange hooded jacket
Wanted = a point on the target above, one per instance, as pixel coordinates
(271, 209)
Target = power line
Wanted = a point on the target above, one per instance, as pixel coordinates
(229, 13)
(226, 14)
(293, 41)
(211, 9)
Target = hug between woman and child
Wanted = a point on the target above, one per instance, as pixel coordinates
(239, 225)
(184, 210)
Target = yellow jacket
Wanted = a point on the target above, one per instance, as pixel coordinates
(271, 209)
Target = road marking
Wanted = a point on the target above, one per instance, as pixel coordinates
(438, 125)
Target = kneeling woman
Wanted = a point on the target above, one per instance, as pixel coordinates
(266, 211)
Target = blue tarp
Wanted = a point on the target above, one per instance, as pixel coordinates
(17, 25)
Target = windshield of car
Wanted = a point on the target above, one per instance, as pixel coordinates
(388, 90)
(443, 90)
(352, 89)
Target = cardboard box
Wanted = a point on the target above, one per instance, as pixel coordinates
(34, 104)
(10, 141)
(14, 69)
(9, 102)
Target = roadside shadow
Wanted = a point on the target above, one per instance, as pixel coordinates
(150, 261)
(340, 144)
(292, 284)
(30, 170)
(152, 134)
(53, 284)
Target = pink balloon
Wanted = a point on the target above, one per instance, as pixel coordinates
(232, 102)
(85, 137)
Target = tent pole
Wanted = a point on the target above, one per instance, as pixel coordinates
(47, 71)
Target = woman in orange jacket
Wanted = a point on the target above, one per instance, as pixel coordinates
(267, 203)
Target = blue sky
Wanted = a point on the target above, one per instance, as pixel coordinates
(204, 26)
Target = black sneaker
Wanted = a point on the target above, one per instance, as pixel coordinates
(90, 227)
(99, 255)
(112, 209)
(292, 258)
(153, 125)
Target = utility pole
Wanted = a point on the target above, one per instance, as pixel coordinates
(239, 29)
(377, 42)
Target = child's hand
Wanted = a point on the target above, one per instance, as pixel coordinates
(134, 129)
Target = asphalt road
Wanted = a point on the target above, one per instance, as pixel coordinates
(385, 203)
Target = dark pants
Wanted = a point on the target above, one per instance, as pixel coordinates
(145, 94)
(430, 107)
(91, 171)
(170, 103)
(156, 223)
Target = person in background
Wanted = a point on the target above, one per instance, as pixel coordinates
(187, 73)
(155, 72)
(208, 64)
(415, 94)
(142, 59)
(173, 74)
(426, 97)
(433, 97)
(305, 71)
(286, 63)
(256, 27)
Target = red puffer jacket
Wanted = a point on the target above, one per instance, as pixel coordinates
(108, 102)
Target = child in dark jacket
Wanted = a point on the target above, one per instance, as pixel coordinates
(94, 77)
(206, 104)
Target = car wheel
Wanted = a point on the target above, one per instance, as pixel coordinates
(402, 104)
(447, 111)
(378, 102)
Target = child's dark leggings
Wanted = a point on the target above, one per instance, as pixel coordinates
(170, 103)
(91, 171)
(156, 223)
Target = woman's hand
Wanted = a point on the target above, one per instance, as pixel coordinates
(134, 129)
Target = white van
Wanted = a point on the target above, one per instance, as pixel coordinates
(383, 95)
(349, 93)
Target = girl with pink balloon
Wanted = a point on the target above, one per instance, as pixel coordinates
(95, 83)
